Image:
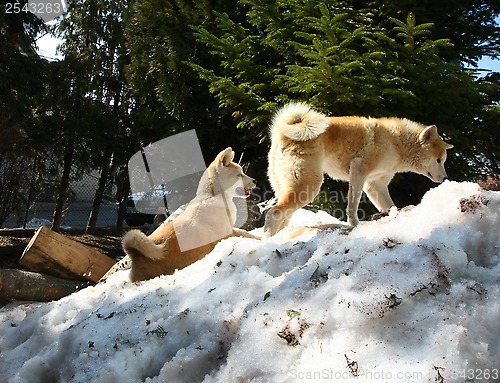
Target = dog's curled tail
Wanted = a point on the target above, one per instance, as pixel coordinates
(136, 244)
(299, 122)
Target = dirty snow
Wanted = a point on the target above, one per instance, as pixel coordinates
(413, 297)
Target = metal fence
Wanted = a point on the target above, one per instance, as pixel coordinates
(169, 168)
(40, 205)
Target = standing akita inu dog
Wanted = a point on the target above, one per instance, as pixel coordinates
(208, 219)
(367, 152)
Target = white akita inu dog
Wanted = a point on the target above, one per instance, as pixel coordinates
(367, 152)
(208, 219)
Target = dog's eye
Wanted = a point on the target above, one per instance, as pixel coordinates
(438, 160)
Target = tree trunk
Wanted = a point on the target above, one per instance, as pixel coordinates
(63, 187)
(105, 171)
(122, 197)
(94, 214)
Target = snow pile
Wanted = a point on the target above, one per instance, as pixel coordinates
(36, 223)
(413, 297)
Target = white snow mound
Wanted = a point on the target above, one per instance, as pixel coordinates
(413, 297)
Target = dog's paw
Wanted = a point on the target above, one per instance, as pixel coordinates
(352, 221)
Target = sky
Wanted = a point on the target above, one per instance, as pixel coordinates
(47, 45)
(489, 63)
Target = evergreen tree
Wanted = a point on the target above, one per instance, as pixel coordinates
(378, 58)
(21, 69)
(21, 79)
(94, 73)
(470, 26)
(67, 123)
(170, 96)
(356, 58)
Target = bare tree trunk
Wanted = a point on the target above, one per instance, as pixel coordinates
(105, 170)
(94, 214)
(122, 197)
(63, 187)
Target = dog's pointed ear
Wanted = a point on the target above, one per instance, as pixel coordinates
(428, 133)
(448, 146)
(225, 157)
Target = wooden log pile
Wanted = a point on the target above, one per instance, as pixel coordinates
(58, 266)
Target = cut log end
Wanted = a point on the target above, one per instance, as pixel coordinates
(55, 254)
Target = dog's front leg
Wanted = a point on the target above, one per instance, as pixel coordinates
(356, 182)
(378, 192)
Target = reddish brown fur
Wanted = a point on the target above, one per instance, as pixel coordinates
(366, 152)
(207, 220)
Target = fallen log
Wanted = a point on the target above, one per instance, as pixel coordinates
(57, 255)
(22, 285)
